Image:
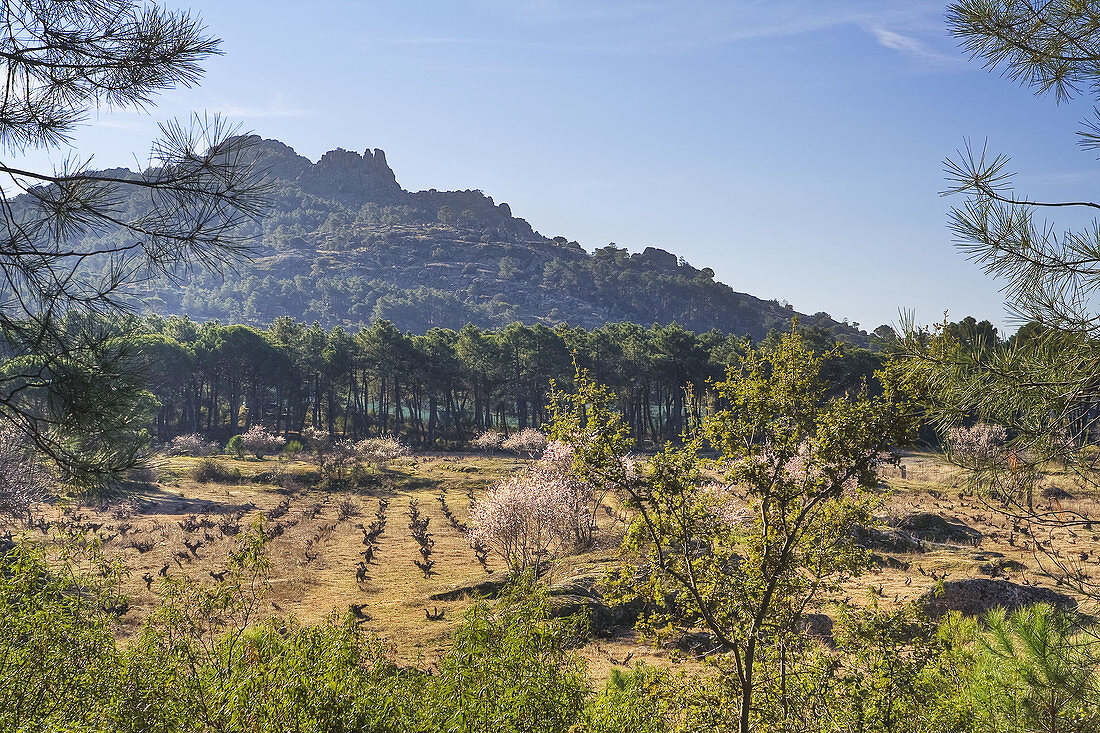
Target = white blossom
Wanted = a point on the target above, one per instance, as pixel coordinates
(489, 440)
(380, 451)
(980, 444)
(260, 442)
(528, 440)
(191, 445)
(24, 480)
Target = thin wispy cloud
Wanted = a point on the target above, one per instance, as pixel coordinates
(673, 27)
(426, 40)
(910, 46)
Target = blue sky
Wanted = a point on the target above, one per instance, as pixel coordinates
(794, 147)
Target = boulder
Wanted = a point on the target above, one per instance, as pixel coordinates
(698, 643)
(929, 527)
(581, 596)
(975, 596)
(817, 625)
(887, 561)
(889, 540)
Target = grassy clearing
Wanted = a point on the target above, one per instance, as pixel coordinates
(317, 550)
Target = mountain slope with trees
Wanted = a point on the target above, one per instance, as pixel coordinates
(345, 244)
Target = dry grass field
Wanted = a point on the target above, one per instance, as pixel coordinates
(180, 527)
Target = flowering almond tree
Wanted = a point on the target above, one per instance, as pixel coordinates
(24, 480)
(977, 445)
(191, 445)
(260, 442)
(529, 441)
(488, 441)
(380, 451)
(530, 515)
(589, 442)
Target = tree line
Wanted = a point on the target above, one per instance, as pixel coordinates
(437, 389)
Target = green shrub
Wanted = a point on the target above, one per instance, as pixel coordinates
(509, 669)
(208, 470)
(1037, 668)
(235, 446)
(633, 700)
(205, 662)
(292, 448)
(59, 661)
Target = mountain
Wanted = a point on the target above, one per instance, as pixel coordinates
(345, 244)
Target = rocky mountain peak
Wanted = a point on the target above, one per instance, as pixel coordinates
(352, 179)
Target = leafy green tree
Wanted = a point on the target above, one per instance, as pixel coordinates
(1030, 332)
(168, 367)
(591, 436)
(482, 361)
(972, 335)
(887, 673)
(746, 557)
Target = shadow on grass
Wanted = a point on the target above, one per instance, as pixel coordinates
(151, 499)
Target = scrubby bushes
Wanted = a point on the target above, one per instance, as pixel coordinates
(209, 470)
(257, 441)
(1036, 670)
(640, 700)
(510, 668)
(61, 670)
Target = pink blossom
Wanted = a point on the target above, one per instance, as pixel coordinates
(523, 518)
(24, 480)
(979, 444)
(260, 442)
(722, 503)
(804, 468)
(558, 453)
(528, 440)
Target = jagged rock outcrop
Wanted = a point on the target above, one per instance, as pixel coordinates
(352, 179)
